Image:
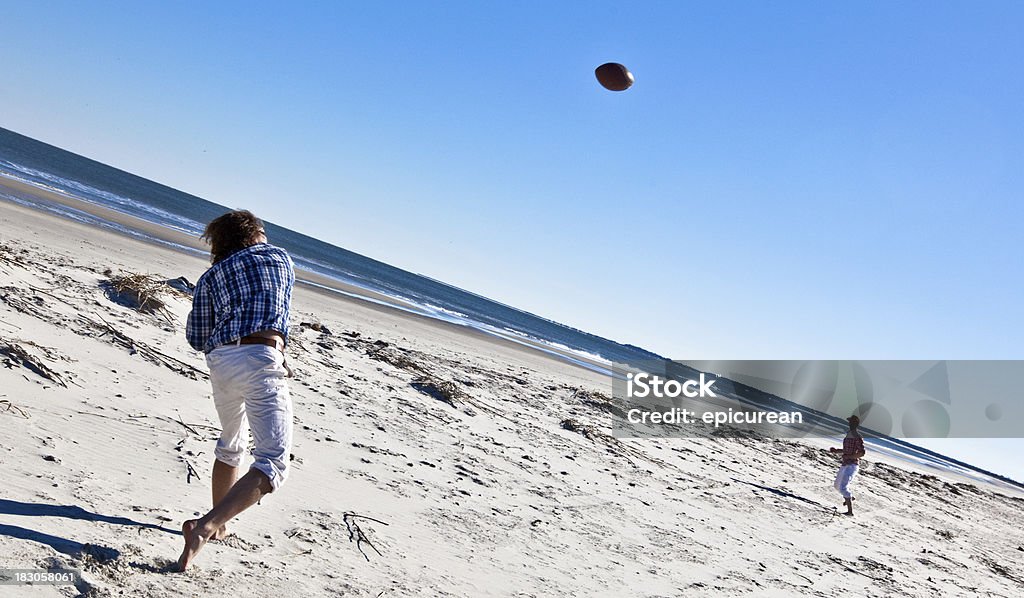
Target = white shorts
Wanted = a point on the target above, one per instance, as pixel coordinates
(249, 390)
(844, 478)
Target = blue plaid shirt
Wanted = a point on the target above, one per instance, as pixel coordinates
(248, 291)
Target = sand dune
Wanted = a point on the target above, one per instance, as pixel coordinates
(428, 461)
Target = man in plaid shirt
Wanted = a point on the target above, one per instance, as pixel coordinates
(239, 319)
(852, 451)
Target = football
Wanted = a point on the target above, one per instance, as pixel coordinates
(614, 77)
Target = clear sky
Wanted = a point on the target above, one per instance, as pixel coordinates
(785, 180)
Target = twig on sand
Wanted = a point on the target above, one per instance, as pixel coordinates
(355, 533)
(12, 407)
(16, 327)
(188, 427)
(192, 427)
(191, 471)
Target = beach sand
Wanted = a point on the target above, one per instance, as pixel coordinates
(429, 460)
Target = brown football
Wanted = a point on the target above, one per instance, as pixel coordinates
(613, 76)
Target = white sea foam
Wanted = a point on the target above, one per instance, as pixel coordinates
(98, 197)
(87, 218)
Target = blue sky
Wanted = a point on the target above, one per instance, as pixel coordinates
(784, 181)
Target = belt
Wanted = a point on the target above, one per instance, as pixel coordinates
(259, 340)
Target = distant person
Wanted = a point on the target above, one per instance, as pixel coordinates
(852, 451)
(239, 318)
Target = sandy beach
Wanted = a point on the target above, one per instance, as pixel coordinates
(429, 460)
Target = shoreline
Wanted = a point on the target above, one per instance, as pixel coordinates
(168, 238)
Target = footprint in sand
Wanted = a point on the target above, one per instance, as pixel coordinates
(238, 543)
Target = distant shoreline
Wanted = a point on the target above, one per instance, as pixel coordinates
(155, 234)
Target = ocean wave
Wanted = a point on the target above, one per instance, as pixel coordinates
(131, 207)
(89, 219)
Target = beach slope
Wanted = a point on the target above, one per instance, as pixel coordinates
(429, 460)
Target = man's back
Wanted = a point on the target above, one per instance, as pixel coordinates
(247, 292)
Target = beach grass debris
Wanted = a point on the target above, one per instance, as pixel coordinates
(597, 400)
(380, 350)
(148, 352)
(144, 293)
(442, 390)
(588, 432)
(22, 301)
(316, 326)
(17, 355)
(613, 445)
(356, 534)
(10, 257)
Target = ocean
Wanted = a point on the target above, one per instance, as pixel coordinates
(44, 165)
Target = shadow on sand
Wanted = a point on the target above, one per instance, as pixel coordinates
(13, 507)
(785, 494)
(64, 545)
(68, 547)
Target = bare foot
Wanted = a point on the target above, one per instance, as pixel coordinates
(194, 542)
(221, 533)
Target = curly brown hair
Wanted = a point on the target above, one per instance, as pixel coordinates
(231, 232)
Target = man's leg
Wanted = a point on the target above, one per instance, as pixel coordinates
(245, 493)
(224, 477)
(233, 443)
(268, 411)
(228, 371)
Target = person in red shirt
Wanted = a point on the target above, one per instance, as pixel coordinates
(852, 451)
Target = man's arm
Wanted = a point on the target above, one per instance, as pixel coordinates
(200, 320)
